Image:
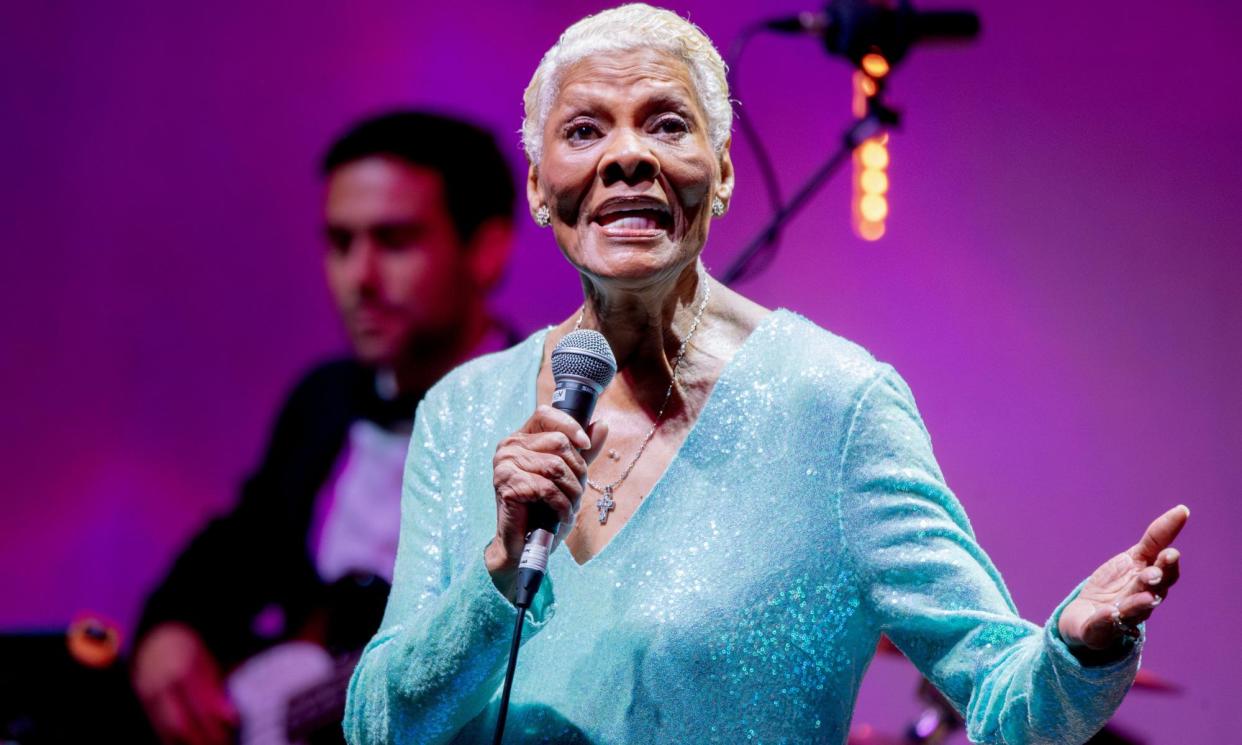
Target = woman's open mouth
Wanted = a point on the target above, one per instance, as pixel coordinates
(631, 218)
(636, 223)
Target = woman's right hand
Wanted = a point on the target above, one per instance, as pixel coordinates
(544, 461)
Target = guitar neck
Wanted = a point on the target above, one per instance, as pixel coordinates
(321, 706)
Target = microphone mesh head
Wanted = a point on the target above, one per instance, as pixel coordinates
(585, 354)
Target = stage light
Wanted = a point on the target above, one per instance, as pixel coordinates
(870, 205)
(875, 65)
(870, 231)
(873, 154)
(873, 208)
(873, 181)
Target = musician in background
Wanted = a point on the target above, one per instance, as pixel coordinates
(418, 222)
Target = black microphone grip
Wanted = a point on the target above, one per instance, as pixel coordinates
(578, 400)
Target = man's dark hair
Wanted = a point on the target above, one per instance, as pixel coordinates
(477, 182)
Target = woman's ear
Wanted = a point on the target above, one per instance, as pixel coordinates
(725, 190)
(534, 199)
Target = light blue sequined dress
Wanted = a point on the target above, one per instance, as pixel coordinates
(803, 516)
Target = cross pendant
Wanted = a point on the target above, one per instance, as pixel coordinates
(605, 505)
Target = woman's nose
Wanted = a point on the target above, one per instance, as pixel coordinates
(628, 158)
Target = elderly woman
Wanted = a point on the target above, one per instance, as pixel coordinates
(765, 505)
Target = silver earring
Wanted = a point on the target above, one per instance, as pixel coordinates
(718, 207)
(543, 216)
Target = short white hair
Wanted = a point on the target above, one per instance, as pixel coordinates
(623, 29)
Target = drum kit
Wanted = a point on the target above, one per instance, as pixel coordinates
(939, 721)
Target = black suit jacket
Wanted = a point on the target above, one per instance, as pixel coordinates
(255, 559)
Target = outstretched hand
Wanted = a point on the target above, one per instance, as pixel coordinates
(1126, 589)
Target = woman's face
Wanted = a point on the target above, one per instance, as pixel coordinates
(628, 171)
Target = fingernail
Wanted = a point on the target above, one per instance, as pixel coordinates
(1156, 601)
(1185, 509)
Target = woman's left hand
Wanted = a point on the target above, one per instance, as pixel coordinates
(1126, 589)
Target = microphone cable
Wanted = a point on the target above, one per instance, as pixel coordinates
(757, 262)
(582, 366)
(504, 696)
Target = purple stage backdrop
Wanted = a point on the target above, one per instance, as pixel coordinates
(1059, 283)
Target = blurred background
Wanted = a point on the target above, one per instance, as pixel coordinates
(1059, 280)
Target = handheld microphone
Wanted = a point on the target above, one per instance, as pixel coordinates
(582, 366)
(856, 28)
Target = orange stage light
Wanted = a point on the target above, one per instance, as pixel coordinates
(875, 65)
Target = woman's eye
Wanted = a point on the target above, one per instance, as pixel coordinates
(672, 125)
(580, 132)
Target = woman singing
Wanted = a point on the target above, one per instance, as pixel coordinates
(761, 503)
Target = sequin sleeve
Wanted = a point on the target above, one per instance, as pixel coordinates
(441, 650)
(935, 593)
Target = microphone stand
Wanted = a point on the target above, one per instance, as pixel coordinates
(878, 118)
(499, 732)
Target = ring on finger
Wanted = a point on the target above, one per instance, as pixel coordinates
(1122, 627)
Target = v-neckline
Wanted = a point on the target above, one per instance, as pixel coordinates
(708, 408)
